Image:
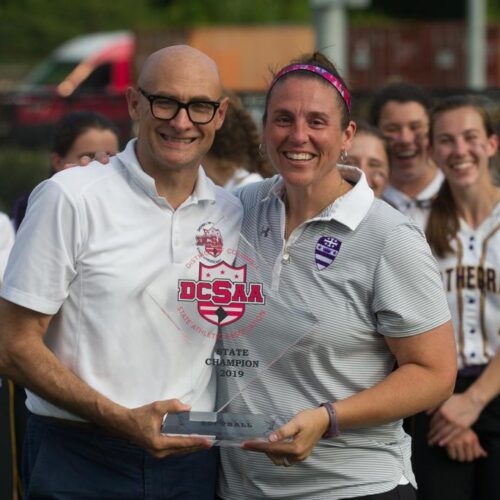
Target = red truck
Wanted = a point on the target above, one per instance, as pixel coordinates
(87, 72)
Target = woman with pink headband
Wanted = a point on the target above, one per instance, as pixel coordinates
(364, 274)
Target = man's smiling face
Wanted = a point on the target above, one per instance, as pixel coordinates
(177, 143)
(406, 127)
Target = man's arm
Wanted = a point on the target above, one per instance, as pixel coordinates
(425, 377)
(25, 358)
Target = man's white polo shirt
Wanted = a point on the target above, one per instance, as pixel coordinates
(94, 242)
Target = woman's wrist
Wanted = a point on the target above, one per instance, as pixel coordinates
(333, 428)
(477, 396)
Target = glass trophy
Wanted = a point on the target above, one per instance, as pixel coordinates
(223, 309)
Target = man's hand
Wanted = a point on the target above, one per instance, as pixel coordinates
(465, 447)
(144, 424)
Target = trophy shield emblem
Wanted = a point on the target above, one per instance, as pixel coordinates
(223, 293)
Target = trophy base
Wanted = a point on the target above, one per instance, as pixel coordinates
(225, 429)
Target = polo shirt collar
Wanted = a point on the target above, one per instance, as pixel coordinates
(204, 188)
(349, 209)
(424, 198)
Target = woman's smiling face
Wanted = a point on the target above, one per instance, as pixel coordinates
(302, 132)
(461, 146)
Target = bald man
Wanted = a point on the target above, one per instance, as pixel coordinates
(82, 324)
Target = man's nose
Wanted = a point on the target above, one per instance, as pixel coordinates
(406, 135)
(181, 120)
(460, 147)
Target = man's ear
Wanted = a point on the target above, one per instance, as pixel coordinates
(220, 114)
(133, 96)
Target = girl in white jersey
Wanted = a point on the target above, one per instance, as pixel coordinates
(457, 446)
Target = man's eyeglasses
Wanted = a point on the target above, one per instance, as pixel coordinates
(167, 108)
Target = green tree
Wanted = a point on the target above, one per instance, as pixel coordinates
(31, 28)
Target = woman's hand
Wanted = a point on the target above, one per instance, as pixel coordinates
(462, 410)
(294, 441)
(465, 447)
(100, 156)
(454, 416)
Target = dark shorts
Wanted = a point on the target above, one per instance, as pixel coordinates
(62, 461)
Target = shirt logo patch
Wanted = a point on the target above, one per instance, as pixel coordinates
(209, 242)
(326, 251)
(221, 292)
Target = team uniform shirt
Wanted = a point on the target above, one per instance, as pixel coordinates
(471, 277)
(363, 271)
(6, 242)
(96, 245)
(417, 208)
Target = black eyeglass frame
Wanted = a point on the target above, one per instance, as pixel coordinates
(180, 105)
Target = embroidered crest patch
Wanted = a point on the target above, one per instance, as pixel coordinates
(326, 251)
(209, 242)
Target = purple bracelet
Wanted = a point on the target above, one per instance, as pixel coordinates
(333, 428)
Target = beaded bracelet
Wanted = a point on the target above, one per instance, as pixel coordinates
(333, 428)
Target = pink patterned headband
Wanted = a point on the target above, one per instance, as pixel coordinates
(318, 71)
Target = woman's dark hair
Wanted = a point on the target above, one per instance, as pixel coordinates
(401, 92)
(320, 60)
(72, 125)
(237, 141)
(363, 127)
(443, 224)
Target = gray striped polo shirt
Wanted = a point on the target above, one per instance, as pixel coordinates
(364, 271)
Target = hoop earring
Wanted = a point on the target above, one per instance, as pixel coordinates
(262, 150)
(343, 156)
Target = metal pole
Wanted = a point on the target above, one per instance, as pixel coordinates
(330, 21)
(476, 44)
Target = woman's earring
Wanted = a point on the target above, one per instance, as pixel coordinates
(343, 156)
(262, 150)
